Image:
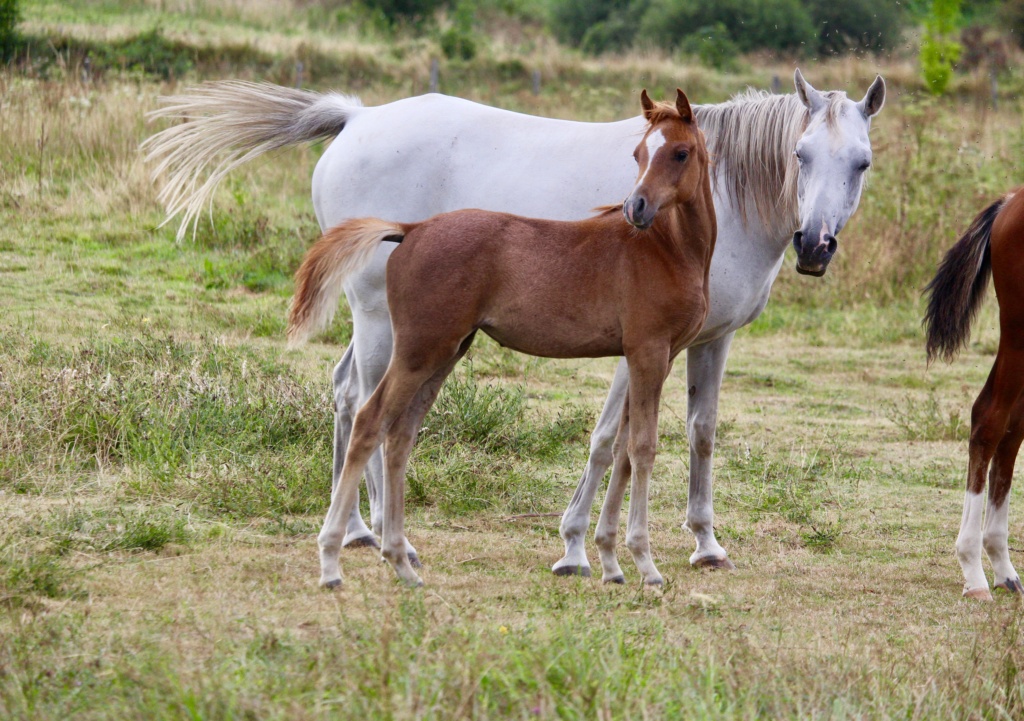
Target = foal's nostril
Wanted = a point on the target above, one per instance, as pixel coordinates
(638, 206)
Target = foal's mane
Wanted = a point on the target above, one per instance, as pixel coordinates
(751, 138)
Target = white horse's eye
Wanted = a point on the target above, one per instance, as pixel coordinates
(864, 166)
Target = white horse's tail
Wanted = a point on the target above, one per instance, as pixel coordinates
(341, 251)
(226, 124)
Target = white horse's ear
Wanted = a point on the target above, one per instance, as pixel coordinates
(808, 95)
(646, 103)
(683, 106)
(874, 98)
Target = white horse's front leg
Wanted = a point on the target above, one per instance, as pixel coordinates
(705, 366)
(576, 519)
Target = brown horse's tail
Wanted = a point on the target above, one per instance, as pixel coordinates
(958, 288)
(341, 251)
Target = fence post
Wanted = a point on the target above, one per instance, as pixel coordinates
(435, 71)
(536, 82)
(299, 67)
(776, 85)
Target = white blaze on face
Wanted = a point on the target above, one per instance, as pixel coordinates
(655, 142)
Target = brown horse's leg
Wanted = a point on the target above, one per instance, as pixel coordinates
(398, 445)
(997, 515)
(648, 367)
(396, 390)
(989, 421)
(606, 533)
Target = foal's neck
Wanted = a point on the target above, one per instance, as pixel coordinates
(686, 227)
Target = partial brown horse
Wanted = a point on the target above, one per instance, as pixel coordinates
(597, 287)
(993, 246)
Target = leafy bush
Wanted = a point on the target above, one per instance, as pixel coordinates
(405, 10)
(856, 24)
(783, 25)
(457, 42)
(10, 15)
(938, 52)
(712, 46)
(571, 20)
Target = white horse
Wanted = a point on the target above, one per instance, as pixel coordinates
(782, 163)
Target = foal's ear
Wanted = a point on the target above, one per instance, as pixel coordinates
(874, 98)
(683, 106)
(808, 95)
(646, 103)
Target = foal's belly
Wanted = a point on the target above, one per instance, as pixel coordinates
(557, 338)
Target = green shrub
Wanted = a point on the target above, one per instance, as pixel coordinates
(856, 24)
(781, 25)
(10, 16)
(712, 46)
(938, 52)
(571, 20)
(405, 10)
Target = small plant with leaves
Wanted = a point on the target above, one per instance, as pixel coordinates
(938, 52)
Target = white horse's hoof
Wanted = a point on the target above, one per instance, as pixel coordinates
(1013, 585)
(331, 584)
(414, 561)
(571, 570)
(713, 562)
(361, 542)
(978, 594)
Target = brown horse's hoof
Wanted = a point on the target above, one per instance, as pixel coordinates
(715, 563)
(362, 542)
(583, 571)
(1013, 585)
(978, 594)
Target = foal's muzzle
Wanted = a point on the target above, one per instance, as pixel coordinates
(813, 255)
(639, 213)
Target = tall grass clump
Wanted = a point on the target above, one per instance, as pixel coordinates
(226, 427)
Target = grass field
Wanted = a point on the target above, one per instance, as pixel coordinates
(164, 462)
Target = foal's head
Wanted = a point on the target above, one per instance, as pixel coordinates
(672, 158)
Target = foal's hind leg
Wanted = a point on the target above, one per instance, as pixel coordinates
(989, 425)
(373, 421)
(398, 446)
(345, 407)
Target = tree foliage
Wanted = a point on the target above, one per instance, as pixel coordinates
(714, 28)
(10, 16)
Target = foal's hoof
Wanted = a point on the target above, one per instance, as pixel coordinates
(616, 579)
(571, 571)
(1013, 585)
(362, 542)
(331, 585)
(978, 594)
(414, 560)
(722, 563)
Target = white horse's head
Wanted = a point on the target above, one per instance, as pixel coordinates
(833, 153)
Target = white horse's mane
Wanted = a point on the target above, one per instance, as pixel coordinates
(752, 138)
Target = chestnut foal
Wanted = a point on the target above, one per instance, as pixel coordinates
(991, 247)
(597, 287)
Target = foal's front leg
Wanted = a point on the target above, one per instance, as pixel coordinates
(647, 370)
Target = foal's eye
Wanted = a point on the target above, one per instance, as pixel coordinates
(682, 155)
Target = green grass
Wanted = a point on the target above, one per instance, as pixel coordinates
(165, 463)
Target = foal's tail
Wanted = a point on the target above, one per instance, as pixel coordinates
(225, 124)
(341, 251)
(958, 288)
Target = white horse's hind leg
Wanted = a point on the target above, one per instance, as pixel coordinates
(705, 366)
(576, 519)
(345, 407)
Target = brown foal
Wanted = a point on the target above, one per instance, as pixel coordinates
(991, 247)
(597, 287)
